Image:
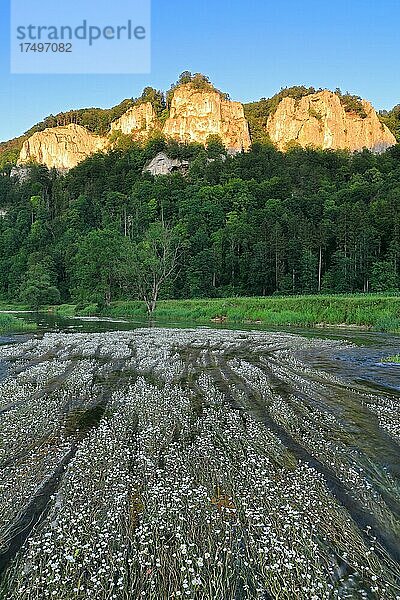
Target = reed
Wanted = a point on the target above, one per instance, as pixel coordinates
(366, 311)
(11, 324)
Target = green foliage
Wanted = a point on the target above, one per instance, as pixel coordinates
(257, 224)
(314, 113)
(267, 106)
(257, 113)
(122, 141)
(392, 120)
(379, 312)
(38, 288)
(156, 99)
(388, 324)
(11, 324)
(98, 265)
(215, 147)
(97, 120)
(154, 261)
(383, 276)
(9, 152)
(392, 359)
(83, 419)
(352, 104)
(297, 92)
(197, 81)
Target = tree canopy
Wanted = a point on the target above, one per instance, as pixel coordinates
(259, 223)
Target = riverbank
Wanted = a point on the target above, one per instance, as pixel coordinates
(11, 324)
(378, 312)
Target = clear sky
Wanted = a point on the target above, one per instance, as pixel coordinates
(249, 48)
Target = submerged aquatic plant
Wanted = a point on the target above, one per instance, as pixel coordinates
(392, 359)
(198, 464)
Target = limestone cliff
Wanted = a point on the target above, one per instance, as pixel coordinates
(138, 122)
(164, 165)
(320, 120)
(61, 147)
(196, 114)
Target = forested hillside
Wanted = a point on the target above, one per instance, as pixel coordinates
(260, 223)
(391, 119)
(97, 120)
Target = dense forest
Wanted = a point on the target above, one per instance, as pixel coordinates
(259, 223)
(391, 118)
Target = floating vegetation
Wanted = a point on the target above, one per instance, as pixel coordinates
(82, 419)
(392, 359)
(193, 464)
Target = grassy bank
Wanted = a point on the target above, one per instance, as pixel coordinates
(11, 324)
(13, 306)
(379, 312)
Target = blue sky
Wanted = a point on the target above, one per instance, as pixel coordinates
(249, 49)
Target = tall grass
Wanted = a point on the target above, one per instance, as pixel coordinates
(11, 324)
(374, 311)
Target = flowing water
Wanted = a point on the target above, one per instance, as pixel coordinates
(324, 396)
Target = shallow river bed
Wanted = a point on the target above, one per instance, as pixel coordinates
(197, 463)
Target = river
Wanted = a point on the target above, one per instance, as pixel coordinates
(323, 398)
(361, 364)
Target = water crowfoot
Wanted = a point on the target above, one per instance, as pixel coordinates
(181, 484)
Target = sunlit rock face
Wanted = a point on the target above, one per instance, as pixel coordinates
(320, 120)
(61, 148)
(138, 122)
(196, 114)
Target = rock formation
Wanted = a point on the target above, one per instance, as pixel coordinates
(138, 122)
(196, 114)
(163, 165)
(320, 120)
(21, 173)
(61, 147)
